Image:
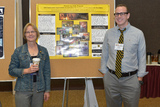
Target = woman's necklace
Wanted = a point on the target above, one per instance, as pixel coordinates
(33, 51)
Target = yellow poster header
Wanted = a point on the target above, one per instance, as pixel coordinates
(72, 8)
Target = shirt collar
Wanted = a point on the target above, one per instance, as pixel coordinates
(124, 28)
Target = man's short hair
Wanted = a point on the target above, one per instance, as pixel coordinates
(122, 5)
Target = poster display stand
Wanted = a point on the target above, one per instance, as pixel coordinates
(70, 66)
(89, 95)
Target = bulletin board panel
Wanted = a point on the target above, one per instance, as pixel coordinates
(73, 67)
(8, 37)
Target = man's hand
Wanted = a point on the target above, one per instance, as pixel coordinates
(140, 78)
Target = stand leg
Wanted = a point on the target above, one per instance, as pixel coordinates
(90, 96)
(87, 104)
(67, 93)
(13, 85)
(64, 92)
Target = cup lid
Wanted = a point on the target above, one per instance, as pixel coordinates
(36, 59)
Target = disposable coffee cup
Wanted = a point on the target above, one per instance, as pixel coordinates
(36, 61)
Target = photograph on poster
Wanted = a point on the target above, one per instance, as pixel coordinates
(84, 36)
(58, 50)
(83, 26)
(67, 23)
(72, 47)
(71, 52)
(59, 43)
(60, 31)
(73, 16)
(75, 41)
(63, 31)
(75, 29)
(84, 48)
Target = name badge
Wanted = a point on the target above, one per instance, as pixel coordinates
(118, 46)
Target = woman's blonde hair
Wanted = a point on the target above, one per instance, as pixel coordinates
(33, 26)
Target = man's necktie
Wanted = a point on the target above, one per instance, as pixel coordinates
(119, 56)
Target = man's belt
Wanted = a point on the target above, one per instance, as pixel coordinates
(124, 74)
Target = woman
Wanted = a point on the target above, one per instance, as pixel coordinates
(33, 81)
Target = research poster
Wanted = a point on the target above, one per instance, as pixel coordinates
(72, 31)
(1, 32)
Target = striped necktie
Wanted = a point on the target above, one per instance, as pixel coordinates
(119, 56)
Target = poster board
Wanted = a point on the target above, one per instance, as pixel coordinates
(73, 31)
(73, 67)
(8, 37)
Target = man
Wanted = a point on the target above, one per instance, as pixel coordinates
(123, 61)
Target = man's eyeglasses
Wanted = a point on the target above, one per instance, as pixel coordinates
(121, 14)
(28, 32)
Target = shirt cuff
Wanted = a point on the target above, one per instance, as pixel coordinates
(102, 71)
(142, 74)
(47, 91)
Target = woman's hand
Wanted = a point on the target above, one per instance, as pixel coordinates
(46, 96)
(32, 69)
